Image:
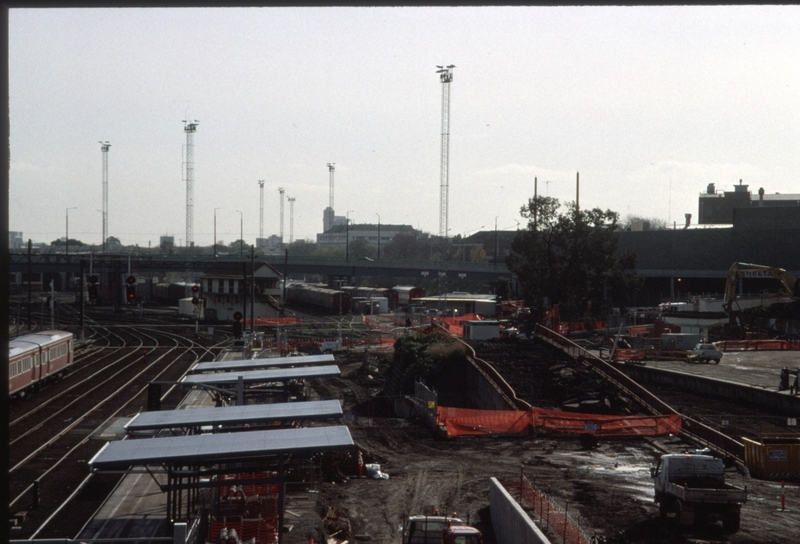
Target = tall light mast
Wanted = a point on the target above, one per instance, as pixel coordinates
(446, 76)
(261, 209)
(281, 191)
(291, 200)
(104, 147)
(331, 168)
(190, 127)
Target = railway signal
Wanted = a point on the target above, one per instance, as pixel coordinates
(92, 289)
(237, 324)
(130, 289)
(195, 293)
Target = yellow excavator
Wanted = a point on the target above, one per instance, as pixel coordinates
(747, 270)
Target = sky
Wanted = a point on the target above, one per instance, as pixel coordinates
(649, 105)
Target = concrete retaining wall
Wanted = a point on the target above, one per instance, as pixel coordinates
(753, 396)
(511, 523)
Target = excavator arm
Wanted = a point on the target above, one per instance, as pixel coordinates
(747, 270)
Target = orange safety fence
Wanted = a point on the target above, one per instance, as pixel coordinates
(630, 354)
(470, 422)
(758, 345)
(274, 321)
(551, 514)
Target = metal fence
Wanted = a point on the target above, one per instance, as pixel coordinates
(551, 515)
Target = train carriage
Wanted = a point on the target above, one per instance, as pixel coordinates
(37, 358)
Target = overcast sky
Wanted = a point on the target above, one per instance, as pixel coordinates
(649, 104)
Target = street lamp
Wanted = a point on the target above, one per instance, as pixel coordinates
(379, 235)
(68, 209)
(347, 236)
(241, 233)
(215, 231)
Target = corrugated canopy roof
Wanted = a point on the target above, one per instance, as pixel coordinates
(254, 413)
(277, 375)
(253, 364)
(219, 448)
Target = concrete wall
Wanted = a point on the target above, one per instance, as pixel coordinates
(752, 396)
(511, 523)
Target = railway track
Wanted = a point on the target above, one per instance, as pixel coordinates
(51, 433)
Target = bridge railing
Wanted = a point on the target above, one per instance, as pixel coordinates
(698, 431)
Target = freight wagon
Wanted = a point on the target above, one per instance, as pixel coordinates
(319, 298)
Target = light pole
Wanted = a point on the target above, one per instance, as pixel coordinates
(379, 235)
(347, 236)
(496, 241)
(104, 238)
(241, 233)
(67, 247)
(215, 231)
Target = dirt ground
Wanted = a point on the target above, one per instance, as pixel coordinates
(608, 489)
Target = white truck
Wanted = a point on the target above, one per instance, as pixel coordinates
(692, 488)
(704, 353)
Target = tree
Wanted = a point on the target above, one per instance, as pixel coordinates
(569, 258)
(647, 223)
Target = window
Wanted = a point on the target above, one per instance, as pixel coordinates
(230, 287)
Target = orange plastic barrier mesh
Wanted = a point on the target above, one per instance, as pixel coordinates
(468, 422)
(758, 345)
(629, 355)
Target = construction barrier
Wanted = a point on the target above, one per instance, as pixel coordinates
(469, 422)
(551, 514)
(758, 345)
(773, 457)
(273, 321)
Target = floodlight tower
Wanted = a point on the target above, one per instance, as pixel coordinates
(281, 191)
(446, 76)
(328, 215)
(190, 127)
(331, 168)
(261, 209)
(104, 147)
(291, 200)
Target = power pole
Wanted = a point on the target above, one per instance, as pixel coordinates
(291, 200)
(190, 128)
(446, 76)
(281, 191)
(261, 209)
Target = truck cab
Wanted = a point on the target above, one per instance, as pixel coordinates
(462, 534)
(430, 529)
(692, 488)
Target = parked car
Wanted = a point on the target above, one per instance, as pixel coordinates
(703, 353)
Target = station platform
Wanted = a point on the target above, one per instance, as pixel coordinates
(760, 369)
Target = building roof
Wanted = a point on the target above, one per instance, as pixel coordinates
(238, 415)
(234, 270)
(219, 448)
(368, 227)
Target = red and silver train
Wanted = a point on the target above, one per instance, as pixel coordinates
(34, 359)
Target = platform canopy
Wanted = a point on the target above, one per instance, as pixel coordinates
(234, 415)
(266, 363)
(208, 449)
(276, 375)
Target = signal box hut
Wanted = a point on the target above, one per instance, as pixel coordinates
(226, 290)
